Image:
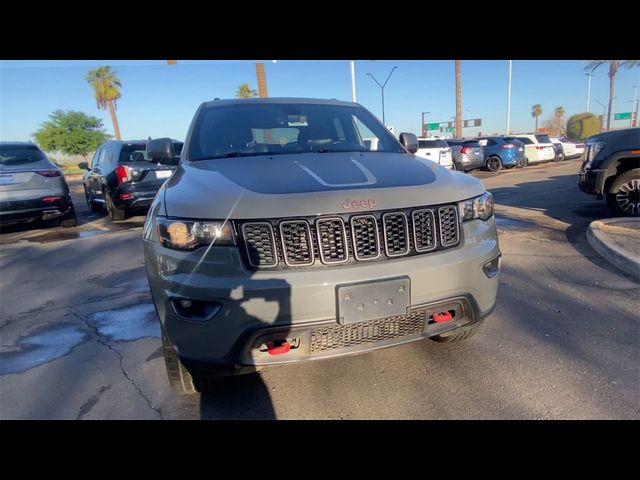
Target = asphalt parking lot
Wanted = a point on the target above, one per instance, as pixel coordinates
(79, 337)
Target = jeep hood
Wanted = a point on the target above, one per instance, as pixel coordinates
(311, 184)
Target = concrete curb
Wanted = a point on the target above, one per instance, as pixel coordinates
(618, 257)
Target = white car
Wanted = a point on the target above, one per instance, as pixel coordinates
(571, 149)
(436, 150)
(537, 147)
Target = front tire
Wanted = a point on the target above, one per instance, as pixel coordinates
(93, 206)
(115, 214)
(181, 381)
(459, 334)
(623, 197)
(493, 164)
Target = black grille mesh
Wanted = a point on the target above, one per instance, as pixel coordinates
(341, 336)
(333, 240)
(365, 237)
(258, 238)
(395, 234)
(296, 243)
(424, 227)
(448, 217)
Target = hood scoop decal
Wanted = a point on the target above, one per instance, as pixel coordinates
(370, 179)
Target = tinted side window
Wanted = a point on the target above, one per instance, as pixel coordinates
(491, 142)
(423, 144)
(96, 156)
(472, 144)
(543, 139)
(525, 140)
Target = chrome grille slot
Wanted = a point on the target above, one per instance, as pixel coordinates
(296, 243)
(259, 244)
(449, 229)
(424, 230)
(366, 242)
(332, 240)
(396, 234)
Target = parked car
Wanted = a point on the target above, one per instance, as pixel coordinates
(436, 150)
(32, 187)
(568, 147)
(611, 169)
(467, 154)
(122, 177)
(498, 153)
(282, 238)
(537, 147)
(559, 150)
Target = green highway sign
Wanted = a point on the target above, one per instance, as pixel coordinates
(433, 126)
(622, 116)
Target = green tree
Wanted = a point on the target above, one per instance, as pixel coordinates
(245, 91)
(70, 132)
(614, 65)
(106, 88)
(582, 125)
(536, 111)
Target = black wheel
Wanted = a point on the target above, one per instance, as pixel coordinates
(93, 206)
(623, 198)
(525, 163)
(453, 166)
(69, 220)
(493, 164)
(559, 157)
(115, 214)
(181, 381)
(457, 335)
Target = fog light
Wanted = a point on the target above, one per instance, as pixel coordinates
(492, 268)
(196, 310)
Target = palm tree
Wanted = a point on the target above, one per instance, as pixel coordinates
(245, 91)
(458, 101)
(106, 88)
(559, 111)
(614, 65)
(536, 111)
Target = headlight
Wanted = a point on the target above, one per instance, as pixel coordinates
(479, 207)
(590, 152)
(190, 234)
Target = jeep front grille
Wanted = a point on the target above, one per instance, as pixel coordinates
(259, 244)
(332, 238)
(337, 239)
(371, 331)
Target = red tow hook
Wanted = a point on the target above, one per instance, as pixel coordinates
(280, 349)
(442, 317)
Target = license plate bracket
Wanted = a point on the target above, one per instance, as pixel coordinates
(372, 300)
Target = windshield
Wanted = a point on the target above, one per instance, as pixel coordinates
(17, 155)
(543, 139)
(277, 129)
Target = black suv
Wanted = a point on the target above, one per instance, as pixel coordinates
(122, 177)
(611, 169)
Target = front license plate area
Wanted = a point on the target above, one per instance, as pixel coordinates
(359, 302)
(163, 173)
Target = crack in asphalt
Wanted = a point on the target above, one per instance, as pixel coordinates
(101, 340)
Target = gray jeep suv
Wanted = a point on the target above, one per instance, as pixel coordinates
(282, 238)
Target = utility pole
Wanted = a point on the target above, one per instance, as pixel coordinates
(589, 89)
(458, 101)
(353, 81)
(604, 115)
(509, 100)
(262, 80)
(424, 130)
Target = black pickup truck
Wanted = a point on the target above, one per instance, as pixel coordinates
(611, 169)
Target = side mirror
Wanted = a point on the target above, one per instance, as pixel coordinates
(83, 165)
(409, 141)
(160, 149)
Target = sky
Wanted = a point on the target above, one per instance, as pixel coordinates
(159, 100)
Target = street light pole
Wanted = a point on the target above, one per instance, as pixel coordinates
(604, 113)
(424, 131)
(589, 89)
(382, 89)
(509, 100)
(353, 81)
(634, 107)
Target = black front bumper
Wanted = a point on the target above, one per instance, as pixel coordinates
(592, 181)
(16, 211)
